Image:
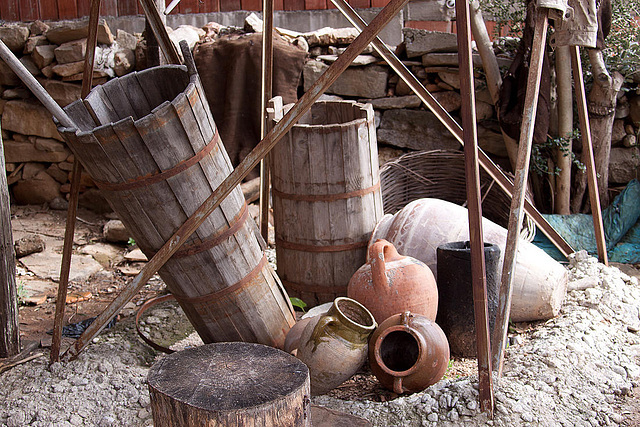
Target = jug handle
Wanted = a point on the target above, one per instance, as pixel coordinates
(321, 325)
(397, 385)
(380, 253)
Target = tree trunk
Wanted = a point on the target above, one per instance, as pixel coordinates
(602, 107)
(9, 330)
(565, 127)
(230, 384)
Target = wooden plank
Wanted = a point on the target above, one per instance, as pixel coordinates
(207, 6)
(188, 6)
(127, 7)
(519, 188)
(472, 177)
(360, 4)
(9, 10)
(48, 9)
(9, 321)
(315, 4)
(293, 4)
(109, 8)
(29, 10)
(587, 148)
(229, 5)
(251, 4)
(68, 9)
(84, 7)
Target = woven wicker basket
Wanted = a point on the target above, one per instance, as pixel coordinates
(439, 174)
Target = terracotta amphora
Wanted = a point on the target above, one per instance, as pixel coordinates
(390, 283)
(334, 344)
(408, 353)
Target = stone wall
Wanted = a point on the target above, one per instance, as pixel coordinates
(38, 162)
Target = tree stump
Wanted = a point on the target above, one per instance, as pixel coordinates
(230, 384)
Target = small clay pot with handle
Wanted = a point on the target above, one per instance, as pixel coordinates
(334, 345)
(390, 283)
(408, 353)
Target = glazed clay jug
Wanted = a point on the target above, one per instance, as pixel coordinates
(390, 283)
(334, 344)
(408, 353)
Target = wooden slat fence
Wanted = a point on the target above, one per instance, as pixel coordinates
(30, 10)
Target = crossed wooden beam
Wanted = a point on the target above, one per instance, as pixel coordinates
(466, 135)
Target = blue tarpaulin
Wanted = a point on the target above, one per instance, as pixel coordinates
(621, 229)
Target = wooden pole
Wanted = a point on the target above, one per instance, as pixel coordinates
(9, 324)
(565, 128)
(247, 164)
(472, 174)
(156, 22)
(72, 210)
(267, 94)
(587, 155)
(520, 183)
(452, 126)
(491, 69)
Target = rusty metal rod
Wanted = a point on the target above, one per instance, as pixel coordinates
(452, 126)
(472, 175)
(587, 155)
(516, 213)
(160, 31)
(72, 210)
(234, 178)
(267, 94)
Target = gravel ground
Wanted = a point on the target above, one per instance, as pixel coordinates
(580, 369)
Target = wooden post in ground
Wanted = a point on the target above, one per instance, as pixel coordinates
(520, 184)
(587, 154)
(63, 283)
(9, 329)
(267, 94)
(565, 128)
(472, 175)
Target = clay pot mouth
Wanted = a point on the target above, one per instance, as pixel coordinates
(354, 314)
(398, 351)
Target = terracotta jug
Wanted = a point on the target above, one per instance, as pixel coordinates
(390, 283)
(408, 353)
(334, 344)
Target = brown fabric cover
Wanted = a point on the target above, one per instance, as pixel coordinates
(230, 70)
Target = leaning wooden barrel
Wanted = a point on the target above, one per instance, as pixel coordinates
(149, 141)
(326, 198)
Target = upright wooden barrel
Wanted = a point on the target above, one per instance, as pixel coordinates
(326, 198)
(149, 141)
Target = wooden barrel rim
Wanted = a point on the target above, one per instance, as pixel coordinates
(326, 197)
(215, 239)
(319, 248)
(146, 180)
(203, 299)
(304, 287)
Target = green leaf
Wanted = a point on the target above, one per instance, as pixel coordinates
(297, 302)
